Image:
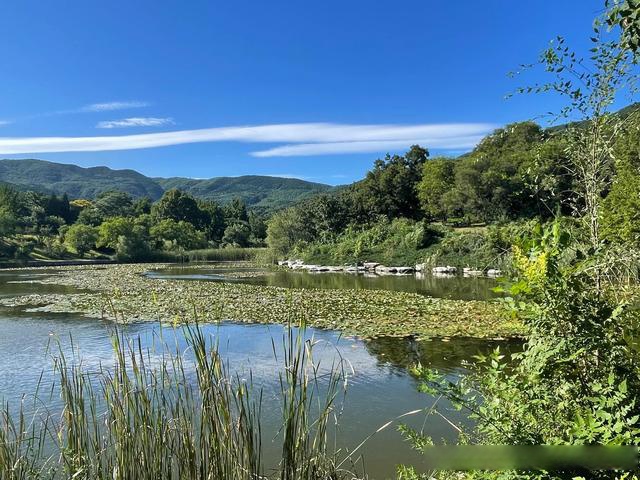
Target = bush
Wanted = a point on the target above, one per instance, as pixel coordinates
(81, 238)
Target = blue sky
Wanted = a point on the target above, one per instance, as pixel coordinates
(315, 90)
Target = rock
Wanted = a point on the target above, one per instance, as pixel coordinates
(405, 270)
(421, 267)
(447, 269)
(494, 272)
(370, 266)
(469, 272)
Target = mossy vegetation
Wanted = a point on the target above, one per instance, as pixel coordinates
(367, 313)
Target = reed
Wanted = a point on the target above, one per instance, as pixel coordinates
(164, 414)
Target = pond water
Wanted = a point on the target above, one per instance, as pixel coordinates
(379, 388)
(453, 287)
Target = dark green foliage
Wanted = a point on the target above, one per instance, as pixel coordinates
(77, 182)
(438, 177)
(236, 209)
(171, 235)
(237, 235)
(81, 238)
(390, 187)
(180, 207)
(258, 192)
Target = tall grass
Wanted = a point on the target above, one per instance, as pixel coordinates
(224, 254)
(176, 416)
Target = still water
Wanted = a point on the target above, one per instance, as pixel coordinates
(379, 386)
(453, 287)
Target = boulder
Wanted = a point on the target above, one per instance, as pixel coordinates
(494, 272)
(448, 269)
(404, 270)
(370, 266)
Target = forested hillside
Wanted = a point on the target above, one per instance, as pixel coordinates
(466, 210)
(261, 192)
(76, 182)
(270, 193)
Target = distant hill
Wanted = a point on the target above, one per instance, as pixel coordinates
(257, 191)
(268, 193)
(77, 182)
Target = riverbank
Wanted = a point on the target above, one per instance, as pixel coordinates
(122, 292)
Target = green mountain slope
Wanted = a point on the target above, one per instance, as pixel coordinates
(268, 193)
(258, 191)
(77, 182)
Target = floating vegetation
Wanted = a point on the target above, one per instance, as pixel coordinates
(368, 313)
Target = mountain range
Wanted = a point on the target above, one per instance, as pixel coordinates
(263, 192)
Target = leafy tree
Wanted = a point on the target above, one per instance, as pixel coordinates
(237, 235)
(285, 230)
(621, 208)
(108, 204)
(437, 180)
(390, 187)
(215, 221)
(81, 238)
(180, 207)
(141, 206)
(236, 209)
(170, 235)
(258, 229)
(134, 246)
(112, 229)
(7, 222)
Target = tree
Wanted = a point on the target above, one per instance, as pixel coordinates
(390, 187)
(237, 235)
(437, 180)
(141, 206)
(621, 208)
(106, 205)
(179, 206)
(81, 238)
(215, 224)
(258, 229)
(236, 209)
(112, 229)
(134, 246)
(285, 230)
(170, 235)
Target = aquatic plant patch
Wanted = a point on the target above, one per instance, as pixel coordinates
(124, 293)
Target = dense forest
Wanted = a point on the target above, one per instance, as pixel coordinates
(466, 210)
(35, 225)
(264, 193)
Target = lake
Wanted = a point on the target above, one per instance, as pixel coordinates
(454, 287)
(379, 387)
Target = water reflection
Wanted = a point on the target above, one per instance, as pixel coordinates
(379, 387)
(453, 287)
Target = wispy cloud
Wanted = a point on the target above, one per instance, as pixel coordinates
(5, 122)
(136, 122)
(300, 138)
(332, 148)
(111, 106)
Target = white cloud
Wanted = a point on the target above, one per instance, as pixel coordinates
(135, 122)
(5, 122)
(331, 148)
(308, 138)
(110, 106)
